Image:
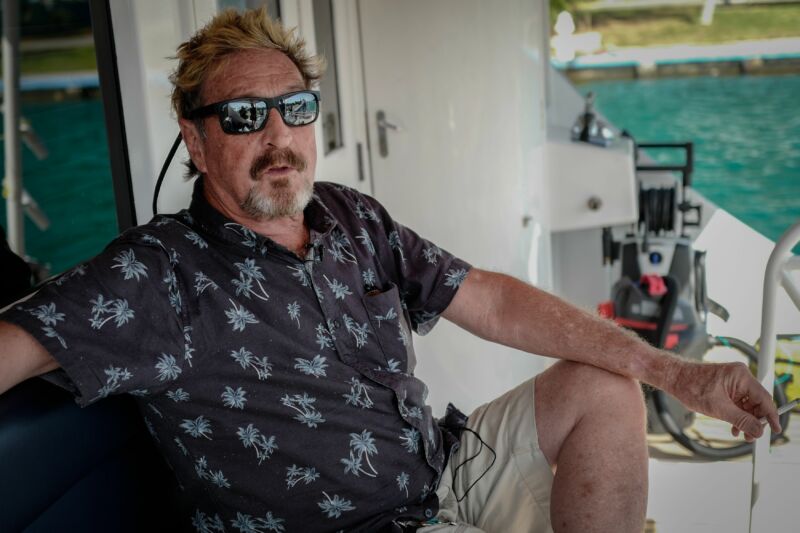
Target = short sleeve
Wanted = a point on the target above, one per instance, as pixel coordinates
(428, 276)
(114, 324)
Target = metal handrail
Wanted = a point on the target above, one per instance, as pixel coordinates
(781, 263)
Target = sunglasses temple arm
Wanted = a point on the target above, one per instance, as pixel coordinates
(163, 172)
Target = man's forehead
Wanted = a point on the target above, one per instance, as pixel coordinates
(253, 73)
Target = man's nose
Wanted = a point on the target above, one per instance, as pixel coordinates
(276, 132)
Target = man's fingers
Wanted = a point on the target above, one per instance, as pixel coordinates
(744, 422)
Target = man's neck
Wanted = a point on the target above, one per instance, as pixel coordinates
(290, 232)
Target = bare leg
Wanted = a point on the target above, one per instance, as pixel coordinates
(591, 426)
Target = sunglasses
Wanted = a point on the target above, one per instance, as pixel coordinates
(247, 115)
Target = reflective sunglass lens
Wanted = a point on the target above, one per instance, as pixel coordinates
(300, 109)
(242, 116)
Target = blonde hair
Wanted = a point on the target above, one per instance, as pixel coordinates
(227, 33)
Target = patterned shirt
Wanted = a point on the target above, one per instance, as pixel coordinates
(280, 390)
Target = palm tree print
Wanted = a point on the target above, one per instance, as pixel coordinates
(129, 266)
(325, 336)
(393, 366)
(239, 316)
(396, 244)
(234, 399)
(249, 237)
(339, 289)
(250, 274)
(410, 439)
(104, 310)
(340, 248)
(359, 394)
(391, 314)
(171, 281)
(246, 359)
(295, 475)
(301, 274)
(358, 331)
(167, 367)
(306, 412)
(79, 270)
(366, 213)
(155, 410)
(53, 334)
(199, 427)
(188, 350)
(366, 240)
(205, 524)
(312, 367)
(405, 412)
(362, 445)
(150, 239)
(196, 239)
(151, 429)
(247, 524)
(115, 376)
(47, 314)
(182, 448)
(203, 472)
(178, 395)
(404, 336)
(203, 282)
(432, 254)
(455, 277)
(369, 278)
(334, 507)
(294, 312)
(252, 437)
(402, 482)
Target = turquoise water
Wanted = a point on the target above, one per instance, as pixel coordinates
(746, 132)
(73, 185)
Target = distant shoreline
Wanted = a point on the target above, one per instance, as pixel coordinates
(765, 57)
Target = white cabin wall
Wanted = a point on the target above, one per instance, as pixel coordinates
(146, 34)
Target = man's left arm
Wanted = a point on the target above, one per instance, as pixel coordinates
(502, 309)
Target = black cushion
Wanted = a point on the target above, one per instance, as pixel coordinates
(64, 468)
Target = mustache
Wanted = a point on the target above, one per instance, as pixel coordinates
(279, 157)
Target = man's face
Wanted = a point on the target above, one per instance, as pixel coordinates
(262, 175)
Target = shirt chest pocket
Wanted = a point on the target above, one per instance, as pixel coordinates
(390, 323)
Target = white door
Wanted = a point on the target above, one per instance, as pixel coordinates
(459, 85)
(331, 28)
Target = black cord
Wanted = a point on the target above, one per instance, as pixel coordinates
(164, 171)
(463, 463)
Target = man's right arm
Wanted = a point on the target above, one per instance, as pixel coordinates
(21, 356)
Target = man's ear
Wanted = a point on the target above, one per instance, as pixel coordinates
(194, 143)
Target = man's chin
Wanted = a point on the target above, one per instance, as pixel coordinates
(281, 201)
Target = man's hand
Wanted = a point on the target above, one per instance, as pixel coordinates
(727, 391)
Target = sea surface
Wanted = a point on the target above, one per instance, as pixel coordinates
(746, 132)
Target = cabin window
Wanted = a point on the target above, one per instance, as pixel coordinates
(329, 85)
(64, 152)
(273, 9)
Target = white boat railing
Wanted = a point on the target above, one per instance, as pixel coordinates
(779, 267)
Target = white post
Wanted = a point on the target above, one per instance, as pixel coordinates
(779, 261)
(13, 151)
(707, 16)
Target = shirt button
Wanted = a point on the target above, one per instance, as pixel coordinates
(336, 324)
(428, 513)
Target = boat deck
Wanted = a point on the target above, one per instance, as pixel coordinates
(694, 495)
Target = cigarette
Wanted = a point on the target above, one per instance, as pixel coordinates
(782, 409)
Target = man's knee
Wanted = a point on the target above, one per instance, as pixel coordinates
(570, 393)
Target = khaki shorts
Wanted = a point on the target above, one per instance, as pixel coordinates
(513, 496)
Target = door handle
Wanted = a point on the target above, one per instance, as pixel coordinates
(383, 126)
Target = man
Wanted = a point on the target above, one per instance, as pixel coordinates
(265, 333)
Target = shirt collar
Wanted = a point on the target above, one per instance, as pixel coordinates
(317, 217)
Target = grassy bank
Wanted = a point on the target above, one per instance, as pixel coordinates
(62, 60)
(663, 26)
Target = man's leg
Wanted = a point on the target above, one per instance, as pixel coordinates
(592, 430)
